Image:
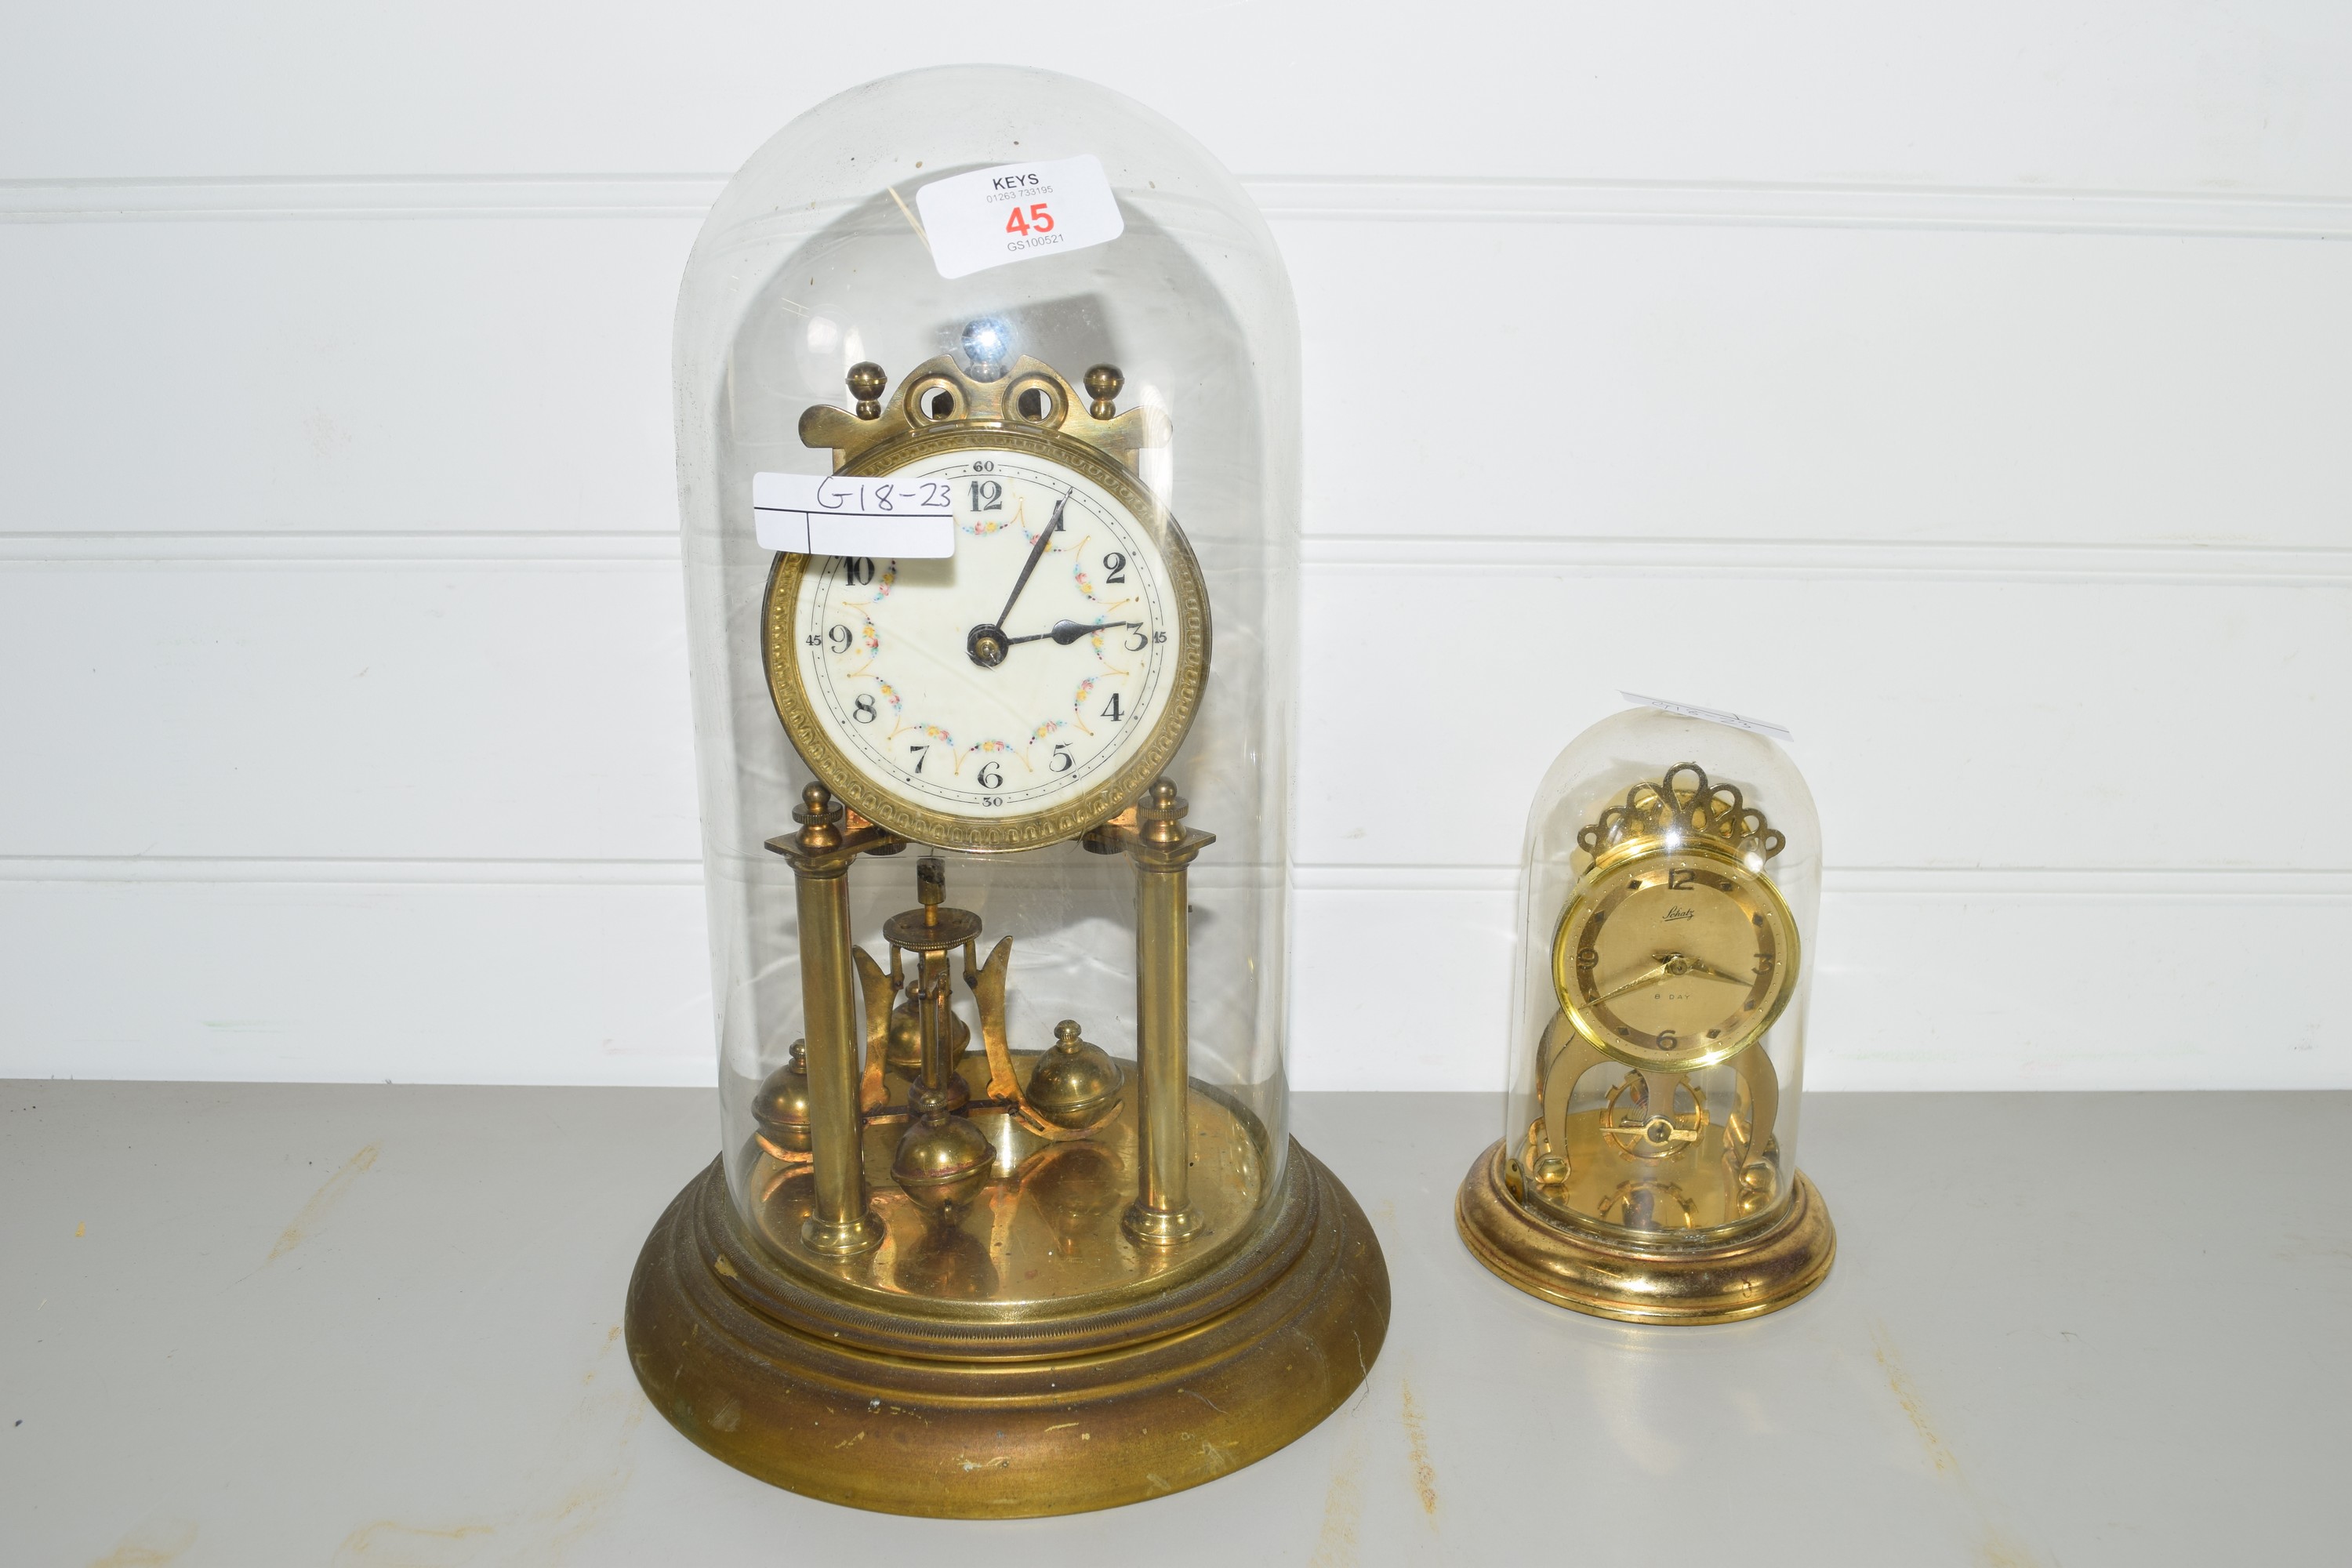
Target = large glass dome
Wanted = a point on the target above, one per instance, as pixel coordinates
(815, 261)
(987, 424)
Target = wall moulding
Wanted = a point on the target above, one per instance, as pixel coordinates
(323, 871)
(2145, 565)
(1374, 199)
(2193, 884)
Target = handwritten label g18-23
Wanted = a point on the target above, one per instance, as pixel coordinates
(833, 514)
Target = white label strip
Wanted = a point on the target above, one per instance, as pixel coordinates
(1715, 715)
(1017, 212)
(807, 514)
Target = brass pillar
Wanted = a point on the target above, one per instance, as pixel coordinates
(821, 854)
(1162, 849)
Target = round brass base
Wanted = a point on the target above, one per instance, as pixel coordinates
(957, 1418)
(1743, 1278)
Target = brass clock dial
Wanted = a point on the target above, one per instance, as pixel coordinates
(1018, 692)
(1674, 959)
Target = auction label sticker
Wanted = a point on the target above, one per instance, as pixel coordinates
(1017, 212)
(913, 520)
(1715, 715)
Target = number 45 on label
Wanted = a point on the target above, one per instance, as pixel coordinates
(1036, 220)
(1017, 212)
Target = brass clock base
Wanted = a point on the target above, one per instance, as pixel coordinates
(965, 1417)
(1744, 1277)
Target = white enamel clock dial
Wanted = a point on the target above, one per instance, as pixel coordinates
(1030, 671)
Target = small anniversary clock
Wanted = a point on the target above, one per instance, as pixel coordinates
(1006, 1218)
(1647, 1170)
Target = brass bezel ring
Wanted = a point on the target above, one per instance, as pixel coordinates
(1031, 830)
(1572, 1006)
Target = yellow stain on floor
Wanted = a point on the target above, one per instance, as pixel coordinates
(149, 1546)
(593, 1466)
(1907, 1396)
(1343, 1507)
(1996, 1547)
(1416, 1431)
(325, 1198)
(387, 1544)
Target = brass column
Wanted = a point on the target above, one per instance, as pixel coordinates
(821, 854)
(1162, 849)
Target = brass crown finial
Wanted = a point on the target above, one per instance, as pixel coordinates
(866, 381)
(992, 386)
(1103, 383)
(1683, 807)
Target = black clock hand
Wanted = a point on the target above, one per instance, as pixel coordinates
(1701, 966)
(1036, 553)
(1067, 632)
(986, 643)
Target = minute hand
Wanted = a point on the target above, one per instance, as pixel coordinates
(1036, 553)
(1655, 972)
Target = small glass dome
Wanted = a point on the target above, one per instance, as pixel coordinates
(1062, 332)
(1667, 901)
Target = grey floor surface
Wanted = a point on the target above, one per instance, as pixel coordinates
(262, 1324)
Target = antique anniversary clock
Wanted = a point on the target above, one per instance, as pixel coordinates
(1647, 1169)
(1005, 1219)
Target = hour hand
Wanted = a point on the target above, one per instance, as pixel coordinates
(1701, 966)
(1067, 632)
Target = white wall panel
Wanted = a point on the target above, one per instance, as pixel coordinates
(542, 973)
(521, 710)
(1965, 391)
(1985, 980)
(509, 372)
(1749, 381)
(546, 979)
(1942, 721)
(2089, 93)
(356, 376)
(487, 733)
(2076, 980)
(366, 708)
(1809, 383)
